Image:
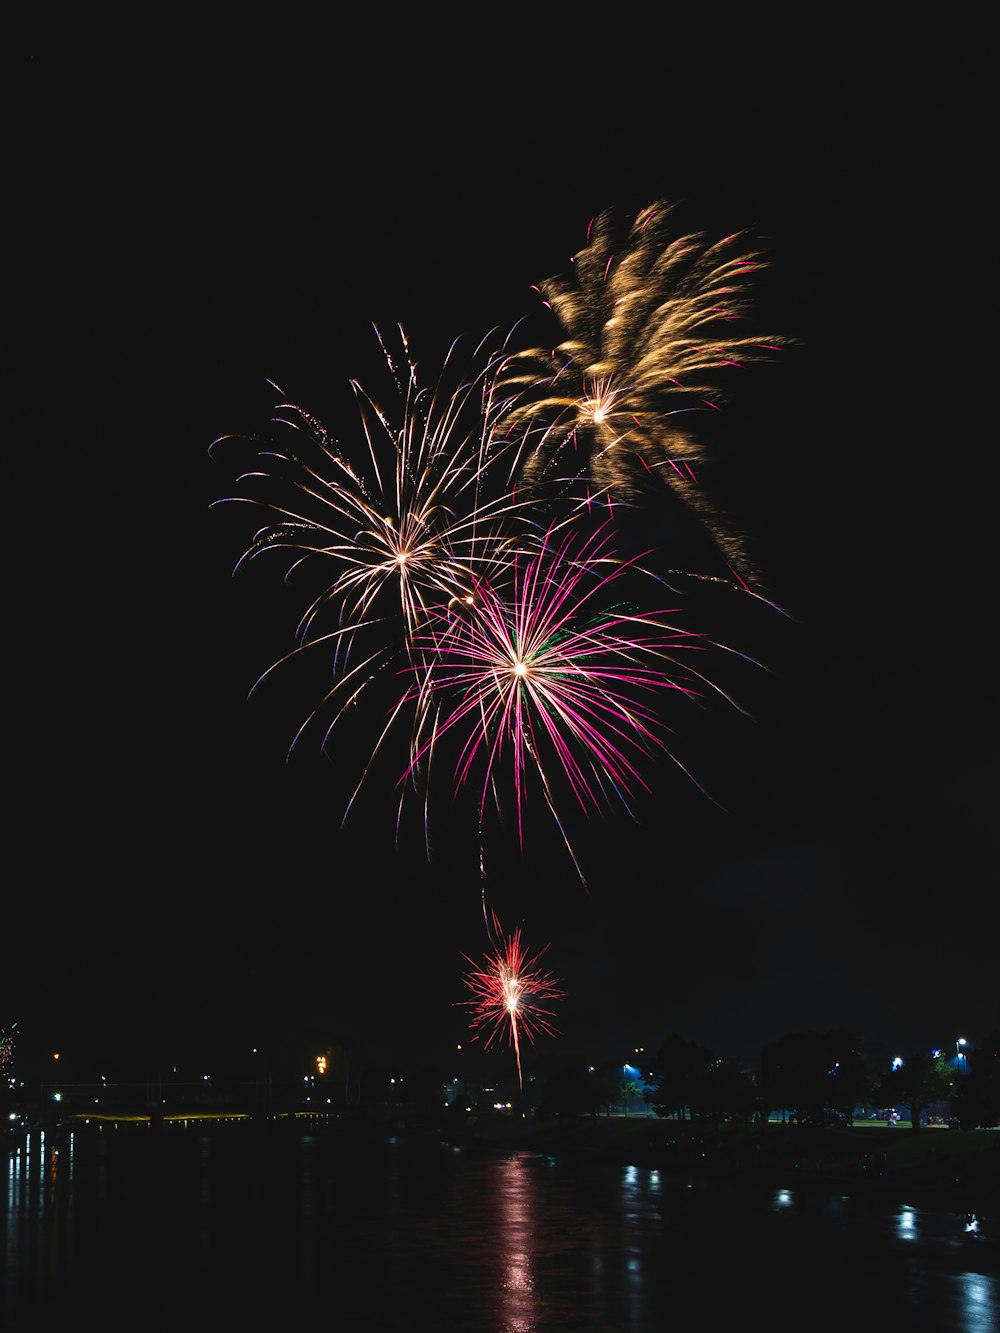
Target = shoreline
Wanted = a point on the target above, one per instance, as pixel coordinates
(950, 1169)
(930, 1167)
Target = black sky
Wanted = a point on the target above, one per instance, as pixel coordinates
(223, 213)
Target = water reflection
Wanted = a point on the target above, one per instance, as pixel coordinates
(39, 1173)
(283, 1229)
(640, 1209)
(977, 1301)
(516, 1196)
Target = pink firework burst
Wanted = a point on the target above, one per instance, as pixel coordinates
(553, 673)
(509, 990)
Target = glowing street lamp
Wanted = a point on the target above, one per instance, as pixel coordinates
(960, 1056)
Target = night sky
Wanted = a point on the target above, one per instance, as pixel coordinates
(242, 212)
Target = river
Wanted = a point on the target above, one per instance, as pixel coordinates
(240, 1226)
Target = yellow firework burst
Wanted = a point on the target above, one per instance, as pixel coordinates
(650, 322)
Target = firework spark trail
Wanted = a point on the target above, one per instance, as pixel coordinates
(417, 519)
(646, 336)
(508, 993)
(547, 671)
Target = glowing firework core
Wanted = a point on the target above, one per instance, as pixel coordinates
(598, 403)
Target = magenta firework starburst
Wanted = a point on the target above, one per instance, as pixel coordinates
(510, 993)
(554, 672)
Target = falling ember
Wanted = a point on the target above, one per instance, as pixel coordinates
(508, 989)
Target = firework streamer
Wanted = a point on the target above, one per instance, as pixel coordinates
(649, 322)
(407, 514)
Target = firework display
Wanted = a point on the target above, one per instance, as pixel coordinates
(465, 547)
(446, 563)
(510, 993)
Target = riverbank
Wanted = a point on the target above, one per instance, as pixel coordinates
(947, 1168)
(934, 1167)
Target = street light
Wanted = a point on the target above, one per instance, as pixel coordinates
(959, 1056)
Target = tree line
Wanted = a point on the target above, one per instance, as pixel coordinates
(808, 1077)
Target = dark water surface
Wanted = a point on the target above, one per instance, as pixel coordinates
(239, 1226)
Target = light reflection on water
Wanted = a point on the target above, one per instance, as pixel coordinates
(399, 1234)
(514, 1200)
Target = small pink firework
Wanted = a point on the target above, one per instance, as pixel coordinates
(6, 1047)
(508, 988)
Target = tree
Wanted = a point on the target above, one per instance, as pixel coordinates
(629, 1091)
(677, 1073)
(819, 1077)
(976, 1101)
(727, 1092)
(577, 1090)
(918, 1082)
